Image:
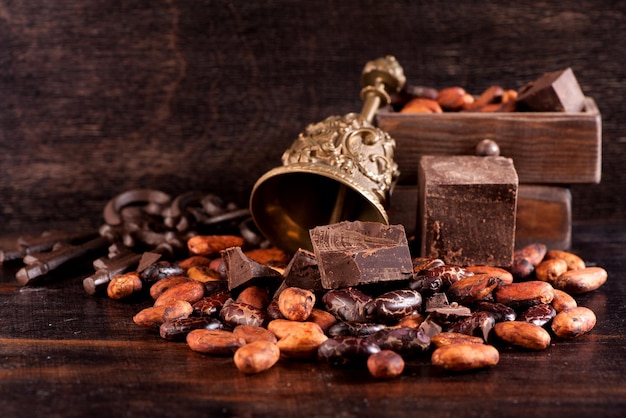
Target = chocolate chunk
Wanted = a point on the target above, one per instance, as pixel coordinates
(242, 270)
(303, 271)
(351, 253)
(557, 91)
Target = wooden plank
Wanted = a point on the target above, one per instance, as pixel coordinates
(546, 147)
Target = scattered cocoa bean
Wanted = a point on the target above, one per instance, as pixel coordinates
(204, 274)
(354, 329)
(563, 301)
(385, 364)
(549, 270)
(160, 270)
(523, 334)
(177, 329)
(176, 310)
(124, 285)
(256, 357)
(447, 338)
(322, 318)
(421, 105)
(303, 343)
(465, 356)
(453, 98)
(581, 281)
(573, 261)
(340, 351)
(239, 313)
(194, 261)
(472, 288)
(162, 285)
(504, 276)
(211, 305)
(295, 303)
(524, 294)
(573, 322)
(252, 333)
(190, 291)
(151, 317)
(211, 245)
(216, 341)
(397, 304)
(254, 295)
(539, 314)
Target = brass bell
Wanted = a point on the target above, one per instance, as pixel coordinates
(339, 169)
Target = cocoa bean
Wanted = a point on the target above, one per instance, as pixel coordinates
(204, 274)
(505, 276)
(539, 314)
(217, 341)
(303, 343)
(573, 322)
(354, 329)
(162, 285)
(465, 356)
(447, 338)
(284, 327)
(549, 270)
(211, 245)
(252, 333)
(212, 304)
(453, 98)
(385, 364)
(523, 334)
(190, 291)
(256, 357)
(573, 261)
(154, 316)
(239, 313)
(176, 310)
(160, 270)
(254, 295)
(177, 329)
(124, 285)
(524, 294)
(322, 318)
(340, 351)
(421, 105)
(347, 304)
(563, 301)
(581, 281)
(472, 288)
(402, 340)
(194, 261)
(295, 303)
(397, 304)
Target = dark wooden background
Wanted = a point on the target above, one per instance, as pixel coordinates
(101, 96)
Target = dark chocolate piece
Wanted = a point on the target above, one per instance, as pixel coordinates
(241, 270)
(303, 271)
(351, 253)
(557, 91)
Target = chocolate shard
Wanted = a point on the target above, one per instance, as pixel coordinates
(556, 91)
(351, 253)
(303, 271)
(242, 270)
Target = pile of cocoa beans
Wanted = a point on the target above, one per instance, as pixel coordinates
(420, 99)
(460, 316)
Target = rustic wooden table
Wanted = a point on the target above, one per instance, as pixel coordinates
(65, 353)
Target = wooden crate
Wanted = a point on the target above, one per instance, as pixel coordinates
(546, 147)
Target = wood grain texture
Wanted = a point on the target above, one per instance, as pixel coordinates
(65, 353)
(99, 97)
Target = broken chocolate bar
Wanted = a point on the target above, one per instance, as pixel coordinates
(303, 272)
(352, 253)
(241, 270)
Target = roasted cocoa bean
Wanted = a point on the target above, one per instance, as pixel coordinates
(523, 334)
(402, 340)
(151, 317)
(162, 285)
(160, 270)
(191, 291)
(525, 259)
(574, 322)
(339, 351)
(283, 327)
(424, 263)
(539, 314)
(453, 98)
(251, 333)
(322, 318)
(582, 280)
(421, 105)
(295, 303)
(211, 305)
(472, 288)
(217, 341)
(448, 337)
(272, 256)
(204, 274)
(354, 329)
(500, 311)
(347, 304)
(504, 276)
(211, 245)
(563, 301)
(273, 312)
(573, 261)
(256, 357)
(397, 304)
(239, 313)
(411, 321)
(176, 310)
(303, 342)
(385, 364)
(465, 356)
(194, 261)
(256, 296)
(124, 285)
(550, 270)
(177, 329)
(524, 294)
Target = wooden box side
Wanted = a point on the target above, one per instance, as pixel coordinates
(546, 147)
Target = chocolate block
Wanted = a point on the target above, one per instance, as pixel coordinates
(303, 271)
(242, 270)
(351, 253)
(467, 209)
(557, 91)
